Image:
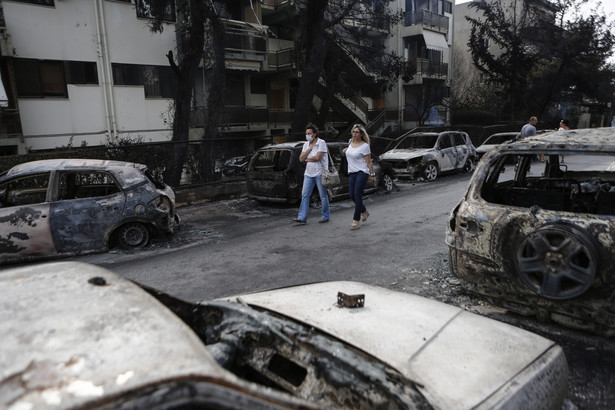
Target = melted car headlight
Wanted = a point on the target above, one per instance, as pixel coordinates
(163, 203)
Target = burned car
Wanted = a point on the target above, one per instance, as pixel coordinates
(493, 141)
(275, 173)
(76, 206)
(426, 155)
(79, 336)
(537, 237)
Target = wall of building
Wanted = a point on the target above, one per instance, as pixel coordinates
(74, 30)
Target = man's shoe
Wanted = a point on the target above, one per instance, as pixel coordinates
(323, 221)
(299, 221)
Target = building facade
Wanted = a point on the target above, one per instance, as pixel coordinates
(91, 72)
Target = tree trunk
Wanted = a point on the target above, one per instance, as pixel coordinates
(316, 54)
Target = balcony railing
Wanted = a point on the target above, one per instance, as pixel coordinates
(428, 19)
(242, 116)
(428, 68)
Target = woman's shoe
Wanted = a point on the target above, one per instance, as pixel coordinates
(354, 225)
(364, 216)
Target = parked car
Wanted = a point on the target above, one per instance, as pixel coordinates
(428, 154)
(493, 141)
(275, 173)
(75, 206)
(79, 336)
(537, 238)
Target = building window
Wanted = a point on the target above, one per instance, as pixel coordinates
(159, 81)
(82, 72)
(127, 74)
(448, 7)
(40, 78)
(258, 85)
(145, 9)
(39, 2)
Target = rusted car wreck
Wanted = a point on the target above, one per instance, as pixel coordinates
(74, 206)
(538, 238)
(79, 336)
(426, 155)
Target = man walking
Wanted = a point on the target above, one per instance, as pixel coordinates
(315, 157)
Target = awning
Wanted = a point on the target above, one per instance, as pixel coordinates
(435, 41)
(247, 65)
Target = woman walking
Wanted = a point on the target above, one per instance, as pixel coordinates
(360, 168)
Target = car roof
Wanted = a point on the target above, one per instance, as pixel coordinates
(586, 139)
(128, 173)
(77, 326)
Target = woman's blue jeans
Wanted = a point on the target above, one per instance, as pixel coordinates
(356, 185)
(306, 193)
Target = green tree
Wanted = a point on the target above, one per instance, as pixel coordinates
(539, 57)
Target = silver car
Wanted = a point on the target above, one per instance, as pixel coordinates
(426, 155)
(75, 206)
(78, 336)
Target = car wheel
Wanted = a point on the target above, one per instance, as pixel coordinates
(430, 172)
(468, 166)
(133, 235)
(387, 182)
(557, 261)
(315, 201)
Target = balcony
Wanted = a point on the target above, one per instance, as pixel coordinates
(425, 68)
(428, 20)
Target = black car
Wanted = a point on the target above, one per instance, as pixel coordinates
(275, 173)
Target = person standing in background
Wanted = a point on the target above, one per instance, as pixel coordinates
(563, 126)
(360, 168)
(529, 129)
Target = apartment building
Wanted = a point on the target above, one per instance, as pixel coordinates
(424, 38)
(90, 72)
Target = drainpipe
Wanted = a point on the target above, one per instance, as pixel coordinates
(105, 62)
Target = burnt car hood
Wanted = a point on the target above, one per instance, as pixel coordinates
(74, 334)
(405, 154)
(459, 359)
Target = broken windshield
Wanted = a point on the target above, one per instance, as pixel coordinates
(418, 141)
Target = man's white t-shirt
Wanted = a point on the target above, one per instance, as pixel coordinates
(356, 158)
(313, 168)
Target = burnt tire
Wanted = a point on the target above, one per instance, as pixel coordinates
(468, 166)
(133, 235)
(387, 183)
(430, 172)
(557, 261)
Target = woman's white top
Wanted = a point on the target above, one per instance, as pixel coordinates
(314, 168)
(356, 158)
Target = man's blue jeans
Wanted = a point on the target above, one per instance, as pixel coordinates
(356, 184)
(306, 193)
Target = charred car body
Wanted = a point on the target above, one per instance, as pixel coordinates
(428, 154)
(79, 336)
(537, 237)
(493, 141)
(275, 173)
(75, 206)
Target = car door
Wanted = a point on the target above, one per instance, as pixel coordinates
(462, 149)
(24, 218)
(87, 205)
(447, 155)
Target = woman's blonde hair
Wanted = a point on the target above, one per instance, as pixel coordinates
(363, 131)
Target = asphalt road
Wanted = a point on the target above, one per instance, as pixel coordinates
(237, 246)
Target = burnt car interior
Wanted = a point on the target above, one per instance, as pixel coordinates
(569, 182)
(75, 185)
(264, 348)
(31, 189)
(272, 160)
